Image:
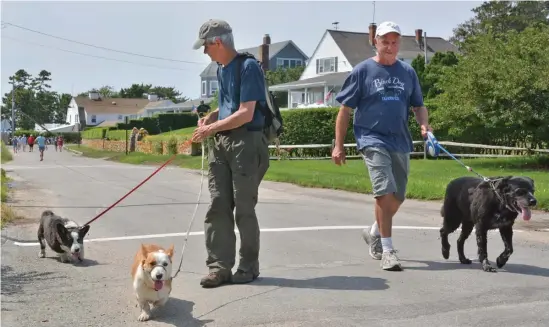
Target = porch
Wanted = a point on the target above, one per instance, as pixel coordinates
(319, 91)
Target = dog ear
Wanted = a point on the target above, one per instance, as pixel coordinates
(143, 251)
(502, 183)
(169, 252)
(84, 230)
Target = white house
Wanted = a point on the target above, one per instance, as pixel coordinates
(99, 110)
(335, 56)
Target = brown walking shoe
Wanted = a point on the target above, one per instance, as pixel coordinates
(243, 277)
(215, 279)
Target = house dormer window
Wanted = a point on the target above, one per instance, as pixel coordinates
(288, 62)
(326, 65)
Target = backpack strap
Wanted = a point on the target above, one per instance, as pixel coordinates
(240, 58)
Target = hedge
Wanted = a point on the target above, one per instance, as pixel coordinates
(317, 126)
(161, 123)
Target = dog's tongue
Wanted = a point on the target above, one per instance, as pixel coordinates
(158, 285)
(526, 213)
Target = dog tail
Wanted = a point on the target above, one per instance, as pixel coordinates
(47, 213)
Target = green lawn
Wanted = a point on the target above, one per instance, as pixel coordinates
(6, 214)
(428, 178)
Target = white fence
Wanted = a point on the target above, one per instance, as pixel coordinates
(422, 153)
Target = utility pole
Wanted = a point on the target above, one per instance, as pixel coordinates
(13, 111)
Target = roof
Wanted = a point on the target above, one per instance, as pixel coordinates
(333, 79)
(106, 106)
(274, 49)
(356, 45)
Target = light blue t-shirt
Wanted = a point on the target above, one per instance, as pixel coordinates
(41, 141)
(381, 97)
(252, 88)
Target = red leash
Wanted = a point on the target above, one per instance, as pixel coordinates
(130, 192)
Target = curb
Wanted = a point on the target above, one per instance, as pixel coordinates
(73, 151)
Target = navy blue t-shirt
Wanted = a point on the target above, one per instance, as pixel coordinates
(252, 88)
(381, 97)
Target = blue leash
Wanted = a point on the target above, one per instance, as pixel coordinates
(433, 147)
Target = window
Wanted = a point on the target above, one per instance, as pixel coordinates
(213, 87)
(288, 63)
(120, 117)
(94, 119)
(326, 65)
(204, 87)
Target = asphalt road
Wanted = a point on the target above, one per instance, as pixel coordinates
(309, 277)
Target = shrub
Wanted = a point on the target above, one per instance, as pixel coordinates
(172, 145)
(94, 133)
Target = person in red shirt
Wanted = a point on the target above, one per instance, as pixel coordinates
(30, 141)
(60, 143)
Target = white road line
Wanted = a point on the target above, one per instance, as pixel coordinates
(263, 230)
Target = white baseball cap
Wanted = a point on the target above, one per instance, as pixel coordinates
(387, 27)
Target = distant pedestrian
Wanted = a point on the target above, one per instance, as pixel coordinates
(60, 143)
(30, 141)
(15, 143)
(239, 158)
(41, 141)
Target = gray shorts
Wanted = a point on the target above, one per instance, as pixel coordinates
(388, 171)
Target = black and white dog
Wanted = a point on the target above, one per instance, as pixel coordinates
(485, 205)
(64, 236)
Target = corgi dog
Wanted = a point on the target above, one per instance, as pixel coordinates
(152, 278)
(64, 236)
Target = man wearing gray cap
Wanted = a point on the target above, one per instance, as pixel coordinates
(382, 89)
(238, 158)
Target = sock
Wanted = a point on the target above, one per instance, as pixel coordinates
(387, 244)
(375, 229)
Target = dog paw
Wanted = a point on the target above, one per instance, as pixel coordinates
(488, 268)
(42, 254)
(465, 261)
(144, 316)
(501, 262)
(446, 253)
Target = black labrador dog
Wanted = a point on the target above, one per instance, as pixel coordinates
(485, 205)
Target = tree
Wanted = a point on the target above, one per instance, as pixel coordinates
(283, 75)
(499, 91)
(35, 102)
(429, 75)
(498, 17)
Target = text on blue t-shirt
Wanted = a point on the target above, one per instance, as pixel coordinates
(381, 97)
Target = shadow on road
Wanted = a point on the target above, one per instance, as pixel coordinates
(453, 265)
(340, 283)
(177, 313)
(13, 282)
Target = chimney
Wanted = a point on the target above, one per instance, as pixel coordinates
(93, 95)
(419, 38)
(264, 52)
(372, 33)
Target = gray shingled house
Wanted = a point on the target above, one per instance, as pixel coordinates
(335, 56)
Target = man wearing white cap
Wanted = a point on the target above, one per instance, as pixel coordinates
(381, 91)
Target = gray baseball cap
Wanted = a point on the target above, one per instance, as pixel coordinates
(211, 28)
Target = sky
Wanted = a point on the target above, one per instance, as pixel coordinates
(168, 29)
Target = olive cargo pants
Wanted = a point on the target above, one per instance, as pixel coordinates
(238, 161)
